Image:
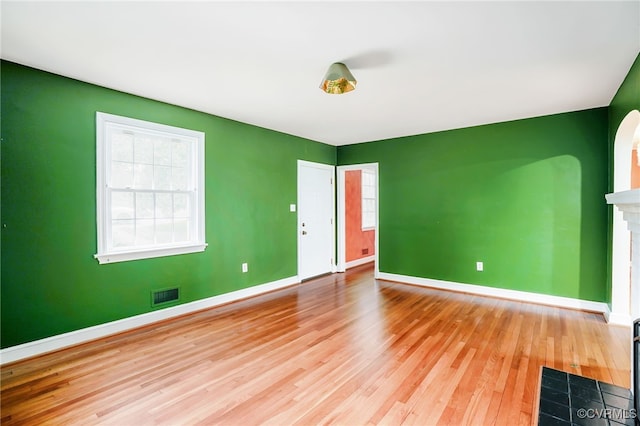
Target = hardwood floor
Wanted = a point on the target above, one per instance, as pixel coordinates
(340, 349)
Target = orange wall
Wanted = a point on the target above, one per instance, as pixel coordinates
(357, 240)
(635, 169)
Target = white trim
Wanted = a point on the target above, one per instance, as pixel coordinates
(621, 237)
(630, 197)
(342, 250)
(620, 319)
(39, 347)
(340, 201)
(106, 253)
(322, 166)
(359, 262)
(623, 145)
(628, 202)
(148, 254)
(523, 296)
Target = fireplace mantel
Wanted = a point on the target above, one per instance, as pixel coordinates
(628, 202)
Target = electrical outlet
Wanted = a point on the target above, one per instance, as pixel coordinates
(245, 267)
(479, 266)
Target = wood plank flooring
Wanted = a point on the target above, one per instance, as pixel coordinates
(341, 349)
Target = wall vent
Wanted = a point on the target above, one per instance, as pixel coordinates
(365, 251)
(159, 297)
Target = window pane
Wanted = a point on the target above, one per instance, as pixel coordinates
(369, 205)
(143, 176)
(368, 192)
(164, 206)
(143, 150)
(144, 232)
(180, 153)
(121, 175)
(368, 220)
(162, 152)
(164, 231)
(162, 177)
(123, 233)
(368, 178)
(181, 205)
(180, 230)
(144, 205)
(122, 205)
(121, 146)
(179, 179)
(368, 199)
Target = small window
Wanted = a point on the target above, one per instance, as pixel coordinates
(150, 189)
(368, 199)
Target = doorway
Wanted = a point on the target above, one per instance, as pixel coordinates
(624, 144)
(358, 233)
(316, 224)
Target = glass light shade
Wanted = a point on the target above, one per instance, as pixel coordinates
(338, 79)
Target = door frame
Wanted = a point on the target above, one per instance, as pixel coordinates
(332, 168)
(621, 291)
(342, 234)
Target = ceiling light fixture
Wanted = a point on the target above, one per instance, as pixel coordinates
(338, 80)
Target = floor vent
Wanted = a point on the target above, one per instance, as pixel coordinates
(160, 297)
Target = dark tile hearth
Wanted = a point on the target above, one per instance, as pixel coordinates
(567, 399)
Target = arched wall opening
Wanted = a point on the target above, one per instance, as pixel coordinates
(626, 174)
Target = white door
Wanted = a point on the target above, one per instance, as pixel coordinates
(315, 219)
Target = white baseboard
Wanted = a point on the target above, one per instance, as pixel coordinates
(359, 262)
(620, 319)
(544, 299)
(39, 347)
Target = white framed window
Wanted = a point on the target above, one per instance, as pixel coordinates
(368, 184)
(150, 189)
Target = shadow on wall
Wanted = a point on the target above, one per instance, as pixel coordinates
(525, 198)
(522, 218)
(545, 197)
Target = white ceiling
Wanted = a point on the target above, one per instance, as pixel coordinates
(421, 66)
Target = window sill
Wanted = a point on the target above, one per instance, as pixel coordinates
(148, 254)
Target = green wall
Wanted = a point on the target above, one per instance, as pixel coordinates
(51, 283)
(525, 197)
